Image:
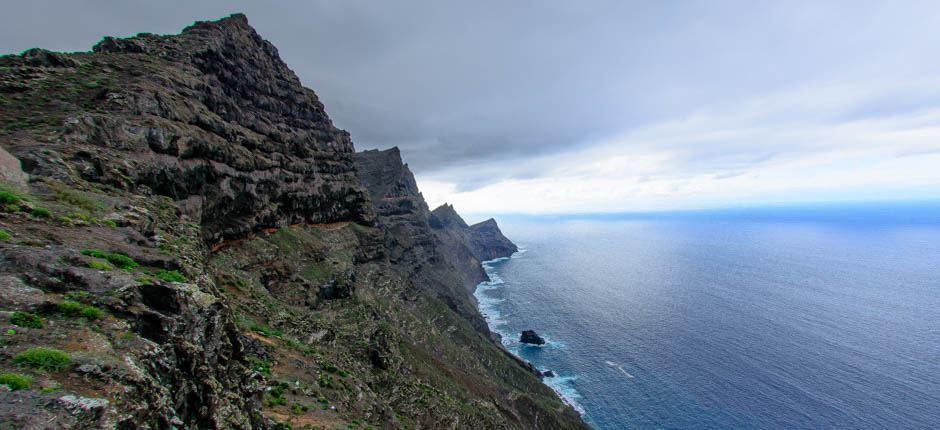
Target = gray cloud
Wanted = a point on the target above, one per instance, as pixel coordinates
(469, 90)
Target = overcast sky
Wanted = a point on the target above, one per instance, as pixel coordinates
(560, 107)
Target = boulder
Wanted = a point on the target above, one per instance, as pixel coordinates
(531, 337)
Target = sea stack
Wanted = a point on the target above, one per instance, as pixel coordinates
(531, 337)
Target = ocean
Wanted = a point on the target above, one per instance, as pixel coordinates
(795, 319)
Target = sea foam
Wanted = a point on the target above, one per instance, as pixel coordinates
(489, 307)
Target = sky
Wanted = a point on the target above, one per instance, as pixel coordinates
(549, 107)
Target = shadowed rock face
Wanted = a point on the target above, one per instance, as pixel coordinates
(193, 193)
(211, 117)
(488, 242)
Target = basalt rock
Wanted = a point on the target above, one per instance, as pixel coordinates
(211, 117)
(194, 233)
(531, 337)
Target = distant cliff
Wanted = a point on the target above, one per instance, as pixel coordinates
(186, 241)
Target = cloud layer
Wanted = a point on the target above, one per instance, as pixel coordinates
(545, 106)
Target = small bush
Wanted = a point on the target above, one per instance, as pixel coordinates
(44, 359)
(100, 265)
(170, 276)
(117, 259)
(92, 313)
(4, 236)
(12, 208)
(70, 308)
(75, 309)
(41, 212)
(15, 381)
(260, 366)
(7, 197)
(26, 319)
(275, 397)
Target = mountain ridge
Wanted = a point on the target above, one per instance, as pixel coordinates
(208, 251)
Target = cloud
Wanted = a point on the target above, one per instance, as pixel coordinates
(600, 105)
(785, 150)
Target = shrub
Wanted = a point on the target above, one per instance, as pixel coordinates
(275, 396)
(117, 259)
(75, 309)
(70, 308)
(15, 381)
(41, 212)
(7, 197)
(26, 319)
(170, 276)
(92, 313)
(4, 236)
(43, 359)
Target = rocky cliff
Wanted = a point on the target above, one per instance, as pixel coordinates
(188, 242)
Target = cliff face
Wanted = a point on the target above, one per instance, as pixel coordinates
(188, 244)
(211, 117)
(488, 242)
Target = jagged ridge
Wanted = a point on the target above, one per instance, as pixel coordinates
(264, 287)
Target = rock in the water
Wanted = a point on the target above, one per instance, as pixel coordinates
(532, 338)
(548, 374)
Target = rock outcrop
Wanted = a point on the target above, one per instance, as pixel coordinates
(530, 337)
(488, 242)
(191, 243)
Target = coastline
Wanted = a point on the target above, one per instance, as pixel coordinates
(488, 306)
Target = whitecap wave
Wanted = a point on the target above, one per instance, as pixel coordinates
(620, 368)
(488, 306)
(564, 386)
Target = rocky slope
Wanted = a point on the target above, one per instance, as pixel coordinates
(187, 242)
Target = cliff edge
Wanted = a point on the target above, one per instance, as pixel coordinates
(189, 242)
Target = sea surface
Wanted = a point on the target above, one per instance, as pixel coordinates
(795, 319)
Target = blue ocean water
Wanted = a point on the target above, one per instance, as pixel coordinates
(730, 320)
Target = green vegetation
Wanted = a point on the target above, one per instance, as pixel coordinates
(267, 331)
(117, 259)
(4, 236)
(41, 212)
(26, 319)
(44, 359)
(9, 197)
(170, 276)
(275, 396)
(75, 309)
(100, 265)
(15, 381)
(260, 366)
(76, 198)
(299, 409)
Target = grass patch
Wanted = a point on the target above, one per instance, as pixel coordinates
(267, 331)
(15, 381)
(9, 197)
(41, 212)
(75, 309)
(26, 319)
(170, 276)
(100, 265)
(4, 236)
(115, 258)
(76, 198)
(44, 359)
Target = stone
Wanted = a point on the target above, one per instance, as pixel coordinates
(531, 337)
